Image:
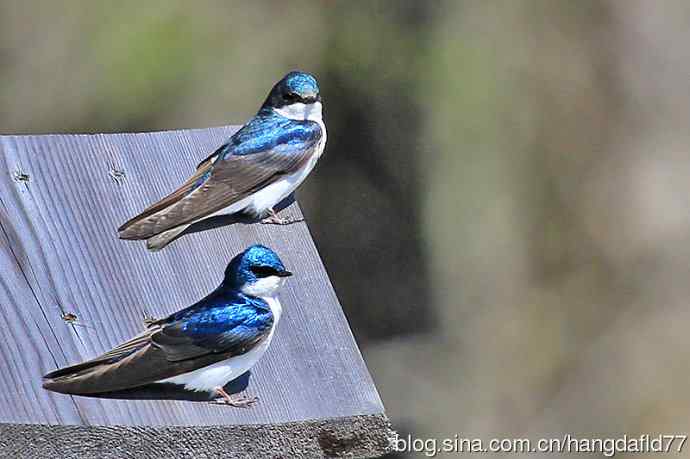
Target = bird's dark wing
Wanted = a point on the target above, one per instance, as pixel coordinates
(255, 156)
(205, 333)
(215, 327)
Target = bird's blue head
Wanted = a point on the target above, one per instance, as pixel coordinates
(256, 272)
(294, 88)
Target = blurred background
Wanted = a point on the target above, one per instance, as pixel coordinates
(503, 205)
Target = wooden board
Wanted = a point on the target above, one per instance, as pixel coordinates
(62, 198)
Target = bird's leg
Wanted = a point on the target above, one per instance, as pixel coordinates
(274, 219)
(244, 402)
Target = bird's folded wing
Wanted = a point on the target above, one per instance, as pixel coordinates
(226, 180)
(160, 352)
(178, 346)
(116, 354)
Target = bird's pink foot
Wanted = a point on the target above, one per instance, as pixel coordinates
(274, 219)
(225, 399)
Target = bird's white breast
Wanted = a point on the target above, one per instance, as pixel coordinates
(219, 374)
(271, 195)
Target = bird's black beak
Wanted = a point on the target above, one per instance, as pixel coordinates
(284, 273)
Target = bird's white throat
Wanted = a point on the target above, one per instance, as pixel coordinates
(300, 112)
(263, 287)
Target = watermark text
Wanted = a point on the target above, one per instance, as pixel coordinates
(608, 447)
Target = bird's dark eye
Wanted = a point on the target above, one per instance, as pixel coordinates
(291, 97)
(263, 271)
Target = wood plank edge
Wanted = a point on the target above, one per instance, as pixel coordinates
(351, 436)
(12, 135)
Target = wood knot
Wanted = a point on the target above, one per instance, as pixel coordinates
(333, 445)
(117, 175)
(21, 177)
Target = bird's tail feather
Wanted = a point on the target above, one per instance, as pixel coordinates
(159, 241)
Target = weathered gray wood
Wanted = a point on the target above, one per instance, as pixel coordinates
(61, 199)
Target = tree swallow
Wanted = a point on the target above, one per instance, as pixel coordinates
(259, 166)
(201, 347)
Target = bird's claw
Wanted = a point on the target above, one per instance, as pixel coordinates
(276, 220)
(242, 402)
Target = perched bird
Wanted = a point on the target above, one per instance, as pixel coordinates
(201, 347)
(259, 166)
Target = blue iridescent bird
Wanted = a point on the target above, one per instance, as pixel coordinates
(258, 167)
(200, 348)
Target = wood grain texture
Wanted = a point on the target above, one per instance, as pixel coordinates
(62, 198)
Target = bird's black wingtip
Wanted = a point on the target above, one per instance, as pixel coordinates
(49, 384)
(124, 234)
(122, 231)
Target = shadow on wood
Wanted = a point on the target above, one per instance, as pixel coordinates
(220, 221)
(61, 202)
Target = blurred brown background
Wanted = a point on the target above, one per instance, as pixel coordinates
(503, 205)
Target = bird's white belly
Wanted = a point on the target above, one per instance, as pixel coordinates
(220, 373)
(268, 197)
